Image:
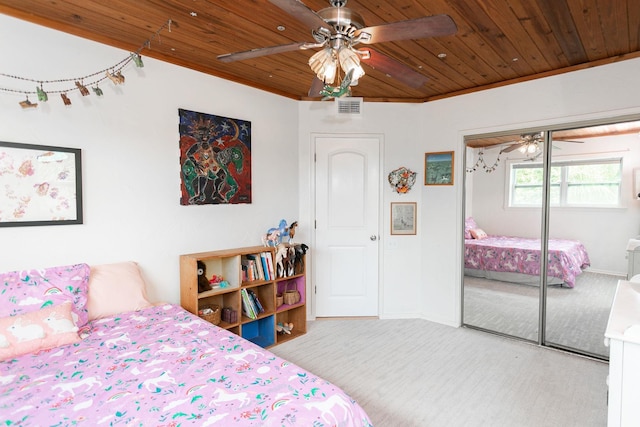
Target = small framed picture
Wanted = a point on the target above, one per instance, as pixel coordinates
(438, 168)
(403, 218)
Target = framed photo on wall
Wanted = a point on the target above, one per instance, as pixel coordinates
(438, 168)
(39, 185)
(403, 218)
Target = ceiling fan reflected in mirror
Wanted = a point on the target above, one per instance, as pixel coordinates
(530, 144)
(337, 30)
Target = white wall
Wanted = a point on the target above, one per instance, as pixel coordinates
(129, 141)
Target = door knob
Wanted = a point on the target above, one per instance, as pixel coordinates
(373, 237)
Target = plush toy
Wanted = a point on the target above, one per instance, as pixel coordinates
(284, 328)
(203, 282)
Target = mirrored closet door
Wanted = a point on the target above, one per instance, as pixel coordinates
(569, 194)
(497, 296)
(593, 207)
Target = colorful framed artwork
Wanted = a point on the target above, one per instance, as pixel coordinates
(403, 218)
(438, 168)
(39, 185)
(215, 159)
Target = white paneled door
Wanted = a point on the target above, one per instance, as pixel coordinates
(347, 225)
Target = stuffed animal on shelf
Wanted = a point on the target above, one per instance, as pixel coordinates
(284, 328)
(203, 282)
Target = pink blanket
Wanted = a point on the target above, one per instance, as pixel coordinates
(163, 366)
(567, 258)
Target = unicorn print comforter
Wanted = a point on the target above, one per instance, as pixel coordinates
(163, 366)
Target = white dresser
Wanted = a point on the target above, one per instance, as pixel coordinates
(623, 338)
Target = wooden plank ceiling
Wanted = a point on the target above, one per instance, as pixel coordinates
(498, 42)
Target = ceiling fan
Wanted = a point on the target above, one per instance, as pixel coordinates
(336, 31)
(531, 145)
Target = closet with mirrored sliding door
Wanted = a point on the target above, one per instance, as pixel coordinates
(548, 214)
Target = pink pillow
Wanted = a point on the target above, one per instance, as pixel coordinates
(26, 291)
(469, 224)
(38, 330)
(116, 288)
(478, 233)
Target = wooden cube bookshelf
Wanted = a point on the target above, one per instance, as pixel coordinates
(232, 265)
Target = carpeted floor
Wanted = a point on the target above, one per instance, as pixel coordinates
(408, 373)
(576, 317)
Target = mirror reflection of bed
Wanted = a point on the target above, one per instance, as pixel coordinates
(502, 246)
(502, 275)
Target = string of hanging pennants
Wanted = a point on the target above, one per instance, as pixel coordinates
(480, 163)
(43, 87)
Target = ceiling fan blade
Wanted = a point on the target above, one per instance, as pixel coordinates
(262, 51)
(428, 26)
(512, 147)
(302, 13)
(316, 86)
(395, 69)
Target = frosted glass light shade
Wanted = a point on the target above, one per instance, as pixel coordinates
(349, 60)
(324, 65)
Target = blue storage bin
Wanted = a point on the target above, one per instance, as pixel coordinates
(261, 332)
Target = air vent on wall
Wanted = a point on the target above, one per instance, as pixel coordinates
(349, 105)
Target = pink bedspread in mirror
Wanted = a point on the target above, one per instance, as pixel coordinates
(567, 258)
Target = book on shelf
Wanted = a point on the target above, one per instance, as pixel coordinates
(247, 305)
(256, 262)
(265, 266)
(245, 275)
(272, 273)
(256, 302)
(249, 266)
(257, 259)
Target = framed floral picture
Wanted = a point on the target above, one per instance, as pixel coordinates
(403, 218)
(39, 185)
(438, 168)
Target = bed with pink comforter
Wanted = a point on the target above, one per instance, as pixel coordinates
(505, 254)
(162, 366)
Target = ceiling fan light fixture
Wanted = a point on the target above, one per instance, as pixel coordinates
(324, 64)
(529, 148)
(349, 60)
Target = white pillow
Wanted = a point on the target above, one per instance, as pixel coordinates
(116, 288)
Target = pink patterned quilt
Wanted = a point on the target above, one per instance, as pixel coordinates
(567, 258)
(162, 366)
